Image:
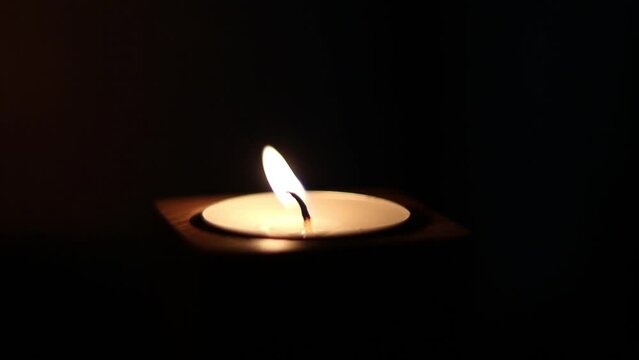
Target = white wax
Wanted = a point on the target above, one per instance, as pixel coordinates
(332, 213)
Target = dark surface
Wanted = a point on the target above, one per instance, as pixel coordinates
(359, 301)
(514, 119)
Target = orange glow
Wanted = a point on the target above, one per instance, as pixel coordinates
(276, 245)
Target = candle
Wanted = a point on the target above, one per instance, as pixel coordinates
(289, 211)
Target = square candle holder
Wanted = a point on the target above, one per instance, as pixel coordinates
(184, 215)
(359, 296)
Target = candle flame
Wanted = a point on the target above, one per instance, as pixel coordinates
(281, 178)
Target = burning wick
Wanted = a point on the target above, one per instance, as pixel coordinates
(305, 214)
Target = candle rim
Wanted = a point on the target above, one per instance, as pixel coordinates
(401, 213)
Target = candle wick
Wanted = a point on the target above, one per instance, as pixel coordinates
(305, 214)
(302, 205)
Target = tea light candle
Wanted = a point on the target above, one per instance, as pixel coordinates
(289, 211)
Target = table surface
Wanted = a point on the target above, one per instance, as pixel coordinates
(184, 215)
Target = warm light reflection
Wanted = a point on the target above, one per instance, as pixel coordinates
(281, 177)
(276, 245)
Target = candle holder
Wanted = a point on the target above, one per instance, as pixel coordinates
(267, 296)
(184, 215)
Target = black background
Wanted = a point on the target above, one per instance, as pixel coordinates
(515, 119)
